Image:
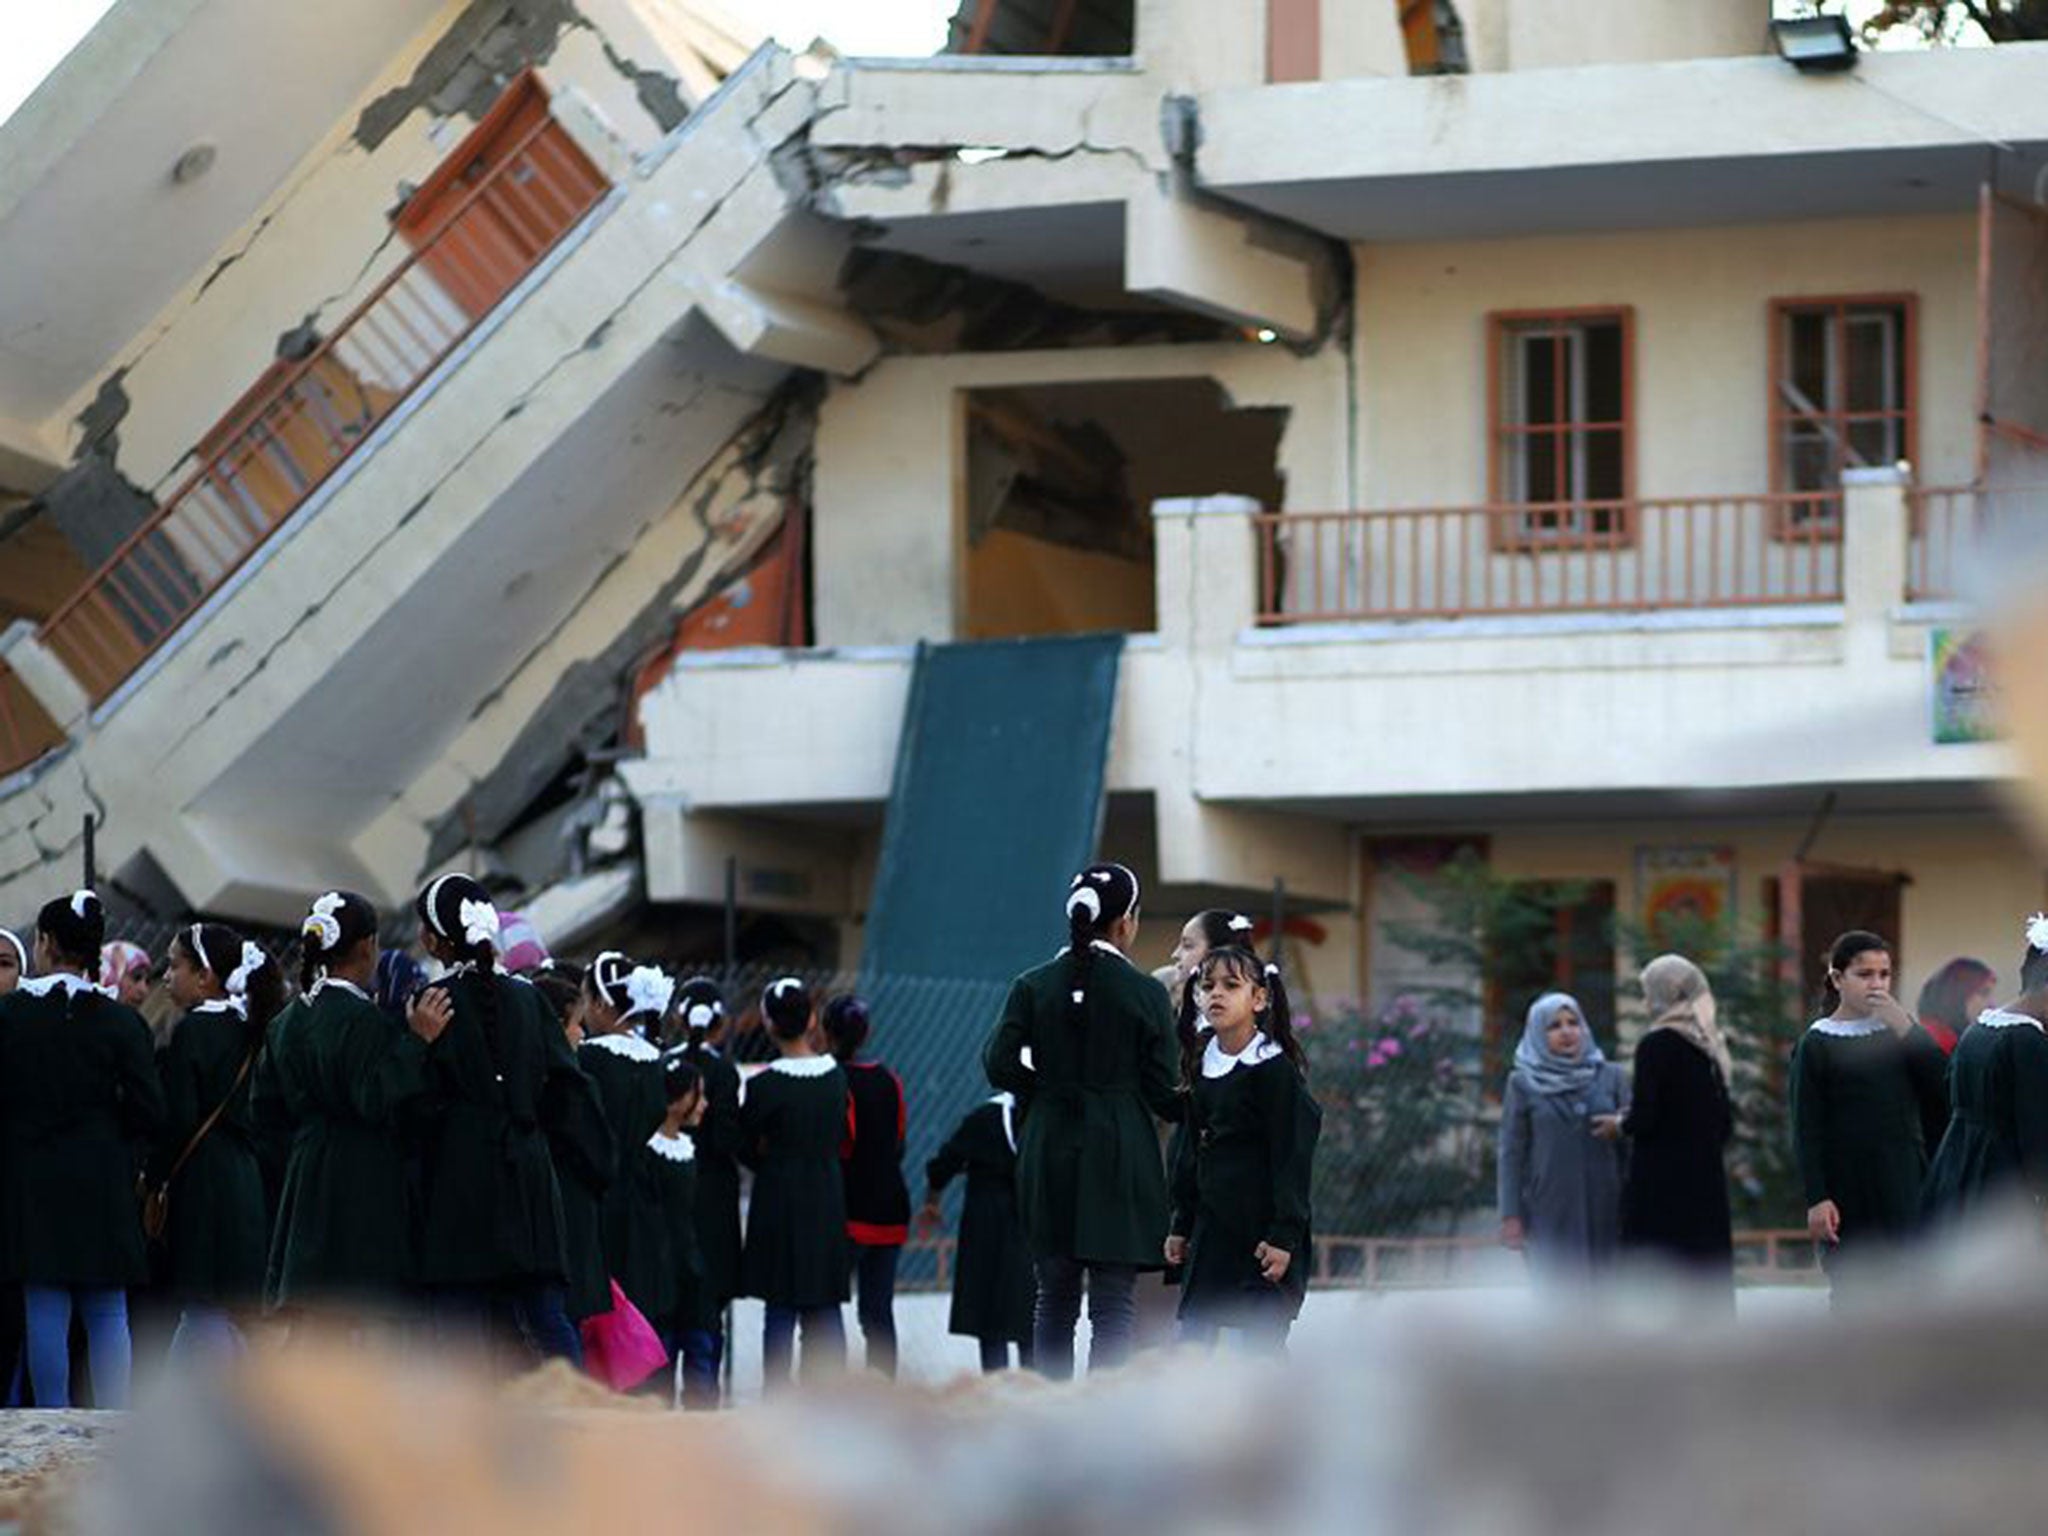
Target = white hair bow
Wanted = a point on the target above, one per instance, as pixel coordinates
(700, 1016)
(1086, 900)
(2037, 932)
(81, 904)
(480, 923)
(1241, 924)
(252, 962)
(321, 924)
(648, 990)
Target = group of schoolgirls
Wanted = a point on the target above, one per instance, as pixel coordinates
(1090, 1061)
(1899, 1128)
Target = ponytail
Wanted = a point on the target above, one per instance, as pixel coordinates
(337, 923)
(460, 912)
(1100, 897)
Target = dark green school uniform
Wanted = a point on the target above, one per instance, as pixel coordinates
(672, 1165)
(79, 1102)
(1091, 1181)
(586, 1161)
(717, 1140)
(627, 1074)
(993, 1285)
(217, 1239)
(490, 1211)
(334, 1077)
(792, 1124)
(1867, 1110)
(1243, 1179)
(1997, 1141)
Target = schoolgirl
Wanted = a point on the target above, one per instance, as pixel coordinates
(78, 1095)
(1996, 1146)
(877, 1199)
(1869, 1104)
(700, 1007)
(993, 1284)
(1241, 1189)
(585, 1156)
(670, 1164)
(336, 1076)
(792, 1121)
(216, 1232)
(499, 1079)
(1086, 1042)
(13, 961)
(619, 1000)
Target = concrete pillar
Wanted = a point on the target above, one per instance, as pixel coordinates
(1876, 520)
(45, 675)
(1205, 567)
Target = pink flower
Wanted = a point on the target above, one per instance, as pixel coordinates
(1390, 1047)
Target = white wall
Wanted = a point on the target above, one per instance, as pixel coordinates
(1702, 343)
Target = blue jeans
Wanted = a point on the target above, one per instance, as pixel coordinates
(105, 1314)
(1112, 1315)
(703, 1350)
(824, 1344)
(874, 1277)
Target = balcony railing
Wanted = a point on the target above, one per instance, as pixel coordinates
(26, 729)
(1461, 562)
(1947, 520)
(301, 421)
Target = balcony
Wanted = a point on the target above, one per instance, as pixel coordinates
(502, 201)
(1698, 553)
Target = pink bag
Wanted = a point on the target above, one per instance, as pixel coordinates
(620, 1347)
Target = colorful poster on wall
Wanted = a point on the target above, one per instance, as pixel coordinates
(1684, 892)
(1963, 699)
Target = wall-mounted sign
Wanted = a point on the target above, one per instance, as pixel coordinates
(1963, 701)
(1685, 892)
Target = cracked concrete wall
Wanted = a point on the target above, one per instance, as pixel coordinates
(888, 528)
(323, 240)
(283, 725)
(572, 693)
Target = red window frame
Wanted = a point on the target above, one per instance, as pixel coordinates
(1514, 528)
(1823, 517)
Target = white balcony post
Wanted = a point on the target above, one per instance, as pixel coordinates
(1205, 565)
(44, 674)
(1875, 530)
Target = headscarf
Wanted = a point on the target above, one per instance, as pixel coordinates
(1681, 1000)
(117, 959)
(520, 947)
(1542, 1068)
(399, 976)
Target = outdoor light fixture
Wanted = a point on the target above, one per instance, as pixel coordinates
(1815, 45)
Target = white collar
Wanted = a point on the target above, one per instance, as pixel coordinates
(1847, 1029)
(1992, 1018)
(679, 1148)
(1217, 1063)
(235, 1005)
(1102, 944)
(66, 981)
(803, 1066)
(1007, 1102)
(340, 984)
(628, 1045)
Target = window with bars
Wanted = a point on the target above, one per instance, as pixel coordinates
(1561, 424)
(1841, 396)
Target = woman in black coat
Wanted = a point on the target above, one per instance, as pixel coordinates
(1675, 1203)
(79, 1099)
(218, 1232)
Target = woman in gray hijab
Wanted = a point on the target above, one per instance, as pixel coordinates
(1560, 1167)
